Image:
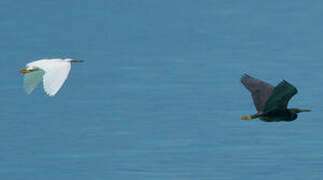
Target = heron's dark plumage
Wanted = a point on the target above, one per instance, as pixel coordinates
(260, 90)
(280, 96)
(271, 102)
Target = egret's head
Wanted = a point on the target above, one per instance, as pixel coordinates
(74, 60)
(28, 70)
(24, 71)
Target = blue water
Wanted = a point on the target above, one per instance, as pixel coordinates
(159, 96)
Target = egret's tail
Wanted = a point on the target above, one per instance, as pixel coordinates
(246, 117)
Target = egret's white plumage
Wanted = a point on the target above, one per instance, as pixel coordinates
(53, 72)
(32, 79)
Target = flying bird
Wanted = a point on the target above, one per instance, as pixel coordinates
(271, 102)
(53, 72)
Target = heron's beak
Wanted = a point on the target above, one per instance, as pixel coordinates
(246, 118)
(24, 71)
(77, 60)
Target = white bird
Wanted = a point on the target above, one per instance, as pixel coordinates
(53, 72)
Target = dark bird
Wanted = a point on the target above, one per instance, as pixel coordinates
(271, 102)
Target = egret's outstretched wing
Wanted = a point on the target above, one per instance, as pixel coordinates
(55, 75)
(281, 94)
(260, 90)
(32, 79)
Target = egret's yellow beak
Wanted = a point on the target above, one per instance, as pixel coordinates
(25, 71)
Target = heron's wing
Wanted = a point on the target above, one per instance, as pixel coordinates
(56, 73)
(32, 79)
(260, 90)
(282, 93)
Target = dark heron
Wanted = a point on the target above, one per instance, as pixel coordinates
(271, 102)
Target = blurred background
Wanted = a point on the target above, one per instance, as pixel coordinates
(159, 95)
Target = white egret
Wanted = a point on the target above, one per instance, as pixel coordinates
(53, 72)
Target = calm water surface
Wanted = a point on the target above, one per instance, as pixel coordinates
(159, 96)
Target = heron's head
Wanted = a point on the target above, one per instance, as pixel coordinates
(74, 60)
(295, 110)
